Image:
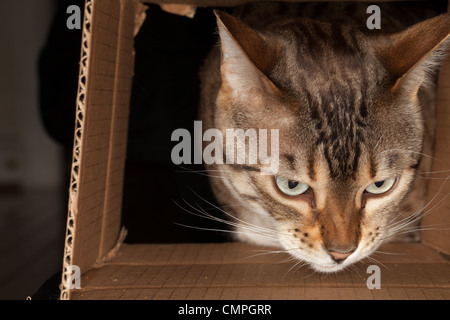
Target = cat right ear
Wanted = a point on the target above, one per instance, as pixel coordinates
(410, 55)
(247, 58)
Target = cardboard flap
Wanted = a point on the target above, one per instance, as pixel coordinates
(185, 10)
(106, 70)
(436, 223)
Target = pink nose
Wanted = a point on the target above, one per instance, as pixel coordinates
(339, 257)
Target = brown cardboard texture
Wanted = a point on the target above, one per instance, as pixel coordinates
(112, 270)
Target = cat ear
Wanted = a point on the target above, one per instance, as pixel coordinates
(247, 58)
(410, 55)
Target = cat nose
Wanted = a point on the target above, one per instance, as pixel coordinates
(339, 257)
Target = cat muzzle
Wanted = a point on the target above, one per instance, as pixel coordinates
(340, 257)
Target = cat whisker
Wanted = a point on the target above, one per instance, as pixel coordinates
(406, 221)
(295, 267)
(419, 212)
(434, 172)
(396, 227)
(372, 259)
(223, 230)
(402, 224)
(354, 269)
(415, 229)
(404, 230)
(248, 227)
(314, 271)
(426, 175)
(217, 230)
(260, 228)
(410, 151)
(204, 173)
(394, 219)
(268, 252)
(431, 178)
(389, 253)
(288, 259)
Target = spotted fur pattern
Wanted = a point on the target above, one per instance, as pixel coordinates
(352, 106)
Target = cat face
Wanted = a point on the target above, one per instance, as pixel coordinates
(350, 133)
(329, 221)
(332, 199)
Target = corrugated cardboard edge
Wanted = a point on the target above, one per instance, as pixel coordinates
(65, 287)
(73, 189)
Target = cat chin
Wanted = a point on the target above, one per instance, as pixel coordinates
(327, 268)
(326, 265)
(361, 253)
(321, 262)
(331, 267)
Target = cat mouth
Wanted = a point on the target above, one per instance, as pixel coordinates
(332, 266)
(325, 263)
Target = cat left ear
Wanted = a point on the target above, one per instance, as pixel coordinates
(409, 55)
(246, 58)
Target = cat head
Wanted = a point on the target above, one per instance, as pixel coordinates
(351, 131)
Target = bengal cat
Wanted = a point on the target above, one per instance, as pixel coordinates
(354, 109)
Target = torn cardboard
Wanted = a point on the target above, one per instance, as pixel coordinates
(180, 9)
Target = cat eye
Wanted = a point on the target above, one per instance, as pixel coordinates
(380, 187)
(290, 187)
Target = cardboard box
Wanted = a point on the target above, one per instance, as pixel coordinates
(111, 269)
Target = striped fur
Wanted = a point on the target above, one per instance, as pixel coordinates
(349, 113)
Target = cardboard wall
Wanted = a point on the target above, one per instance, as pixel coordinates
(106, 70)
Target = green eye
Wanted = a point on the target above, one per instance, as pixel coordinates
(290, 187)
(380, 187)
